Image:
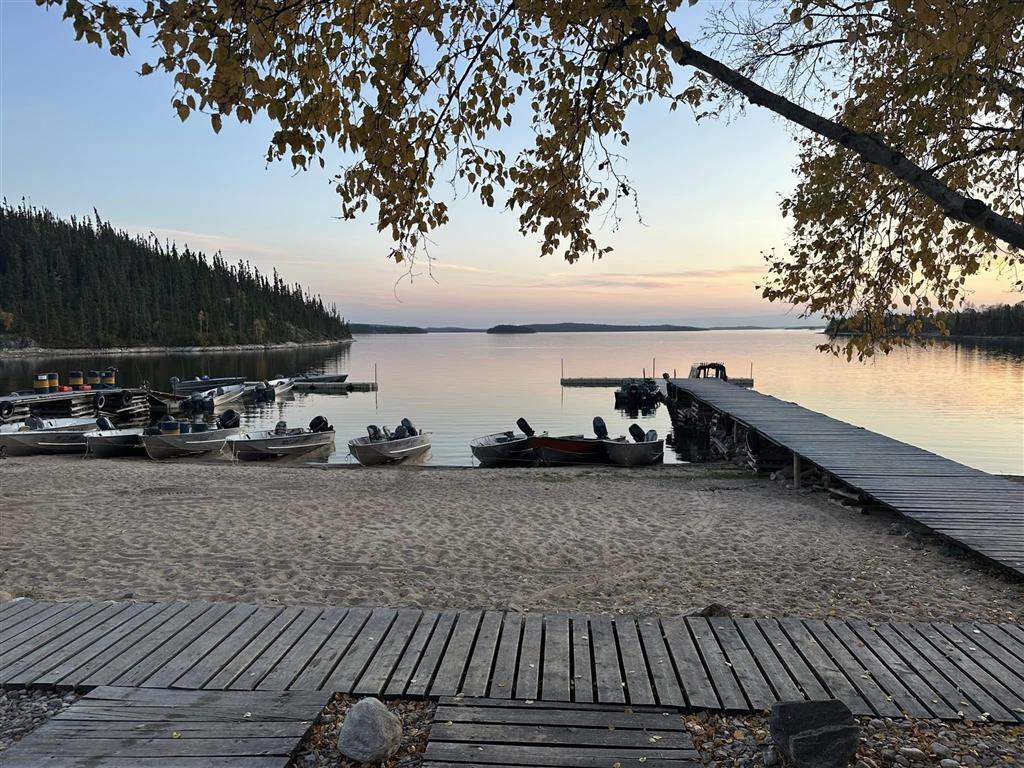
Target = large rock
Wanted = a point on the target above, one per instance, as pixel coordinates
(815, 734)
(370, 734)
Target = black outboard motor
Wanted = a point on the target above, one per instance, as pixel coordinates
(637, 433)
(104, 423)
(401, 432)
(319, 424)
(524, 425)
(34, 422)
(600, 429)
(229, 419)
(410, 430)
(374, 432)
(651, 435)
(281, 428)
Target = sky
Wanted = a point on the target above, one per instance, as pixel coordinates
(79, 130)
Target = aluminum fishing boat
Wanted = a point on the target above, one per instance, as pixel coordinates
(645, 450)
(37, 436)
(321, 378)
(109, 443)
(172, 438)
(383, 447)
(505, 449)
(202, 384)
(216, 397)
(573, 449)
(282, 441)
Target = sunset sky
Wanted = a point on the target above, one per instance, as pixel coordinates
(79, 129)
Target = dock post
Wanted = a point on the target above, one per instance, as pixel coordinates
(796, 470)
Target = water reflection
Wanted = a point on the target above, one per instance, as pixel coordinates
(961, 400)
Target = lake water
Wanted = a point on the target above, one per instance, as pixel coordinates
(964, 400)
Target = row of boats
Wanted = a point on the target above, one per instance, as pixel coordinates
(169, 439)
(526, 448)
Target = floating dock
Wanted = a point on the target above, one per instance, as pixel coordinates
(979, 511)
(124, 403)
(615, 381)
(335, 387)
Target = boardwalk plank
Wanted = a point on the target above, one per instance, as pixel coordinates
(729, 691)
(756, 688)
(478, 671)
(557, 673)
(406, 666)
(268, 658)
(423, 678)
(303, 649)
(783, 684)
(503, 676)
(359, 653)
(634, 664)
(839, 686)
(582, 659)
(218, 658)
(607, 676)
(237, 665)
(448, 680)
(530, 649)
(322, 647)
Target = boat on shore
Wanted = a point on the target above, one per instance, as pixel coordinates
(175, 439)
(321, 378)
(45, 436)
(110, 443)
(646, 449)
(504, 449)
(282, 441)
(383, 447)
(573, 449)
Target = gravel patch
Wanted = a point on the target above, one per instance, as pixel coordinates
(320, 747)
(744, 742)
(21, 712)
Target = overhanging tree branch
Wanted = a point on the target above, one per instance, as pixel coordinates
(955, 205)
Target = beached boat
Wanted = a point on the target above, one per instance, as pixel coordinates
(383, 447)
(645, 450)
(503, 449)
(173, 438)
(203, 383)
(37, 436)
(108, 443)
(321, 378)
(282, 441)
(573, 449)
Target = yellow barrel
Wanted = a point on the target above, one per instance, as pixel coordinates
(41, 384)
(93, 379)
(53, 382)
(76, 379)
(109, 379)
(170, 427)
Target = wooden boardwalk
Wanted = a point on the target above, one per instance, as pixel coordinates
(514, 734)
(132, 727)
(947, 671)
(979, 511)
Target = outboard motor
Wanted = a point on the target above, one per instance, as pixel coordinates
(195, 402)
(401, 432)
(374, 432)
(600, 429)
(524, 425)
(281, 428)
(637, 433)
(34, 422)
(651, 436)
(229, 419)
(410, 430)
(319, 424)
(104, 423)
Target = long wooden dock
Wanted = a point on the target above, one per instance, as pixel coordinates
(979, 511)
(967, 670)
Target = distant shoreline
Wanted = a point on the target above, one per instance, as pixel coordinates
(935, 336)
(6, 354)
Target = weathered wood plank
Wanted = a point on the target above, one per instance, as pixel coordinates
(268, 658)
(478, 671)
(503, 676)
(697, 685)
(607, 676)
(423, 677)
(530, 649)
(411, 655)
(557, 673)
(384, 661)
(448, 679)
(659, 661)
(303, 649)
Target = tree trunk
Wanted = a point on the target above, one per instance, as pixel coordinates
(954, 204)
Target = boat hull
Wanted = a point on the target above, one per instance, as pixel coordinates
(323, 378)
(279, 445)
(635, 454)
(191, 444)
(188, 387)
(563, 451)
(108, 446)
(388, 451)
(30, 442)
(493, 451)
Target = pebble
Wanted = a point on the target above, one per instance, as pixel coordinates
(940, 749)
(913, 753)
(949, 763)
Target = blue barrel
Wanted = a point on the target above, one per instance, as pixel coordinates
(184, 427)
(53, 382)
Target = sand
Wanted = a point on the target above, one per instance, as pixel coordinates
(665, 540)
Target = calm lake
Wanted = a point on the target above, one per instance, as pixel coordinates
(964, 400)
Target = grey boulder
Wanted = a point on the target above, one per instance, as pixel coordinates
(815, 734)
(370, 733)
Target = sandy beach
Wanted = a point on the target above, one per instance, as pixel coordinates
(668, 540)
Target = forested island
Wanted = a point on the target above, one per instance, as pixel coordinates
(361, 329)
(999, 320)
(81, 283)
(511, 329)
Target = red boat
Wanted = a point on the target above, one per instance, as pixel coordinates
(573, 449)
